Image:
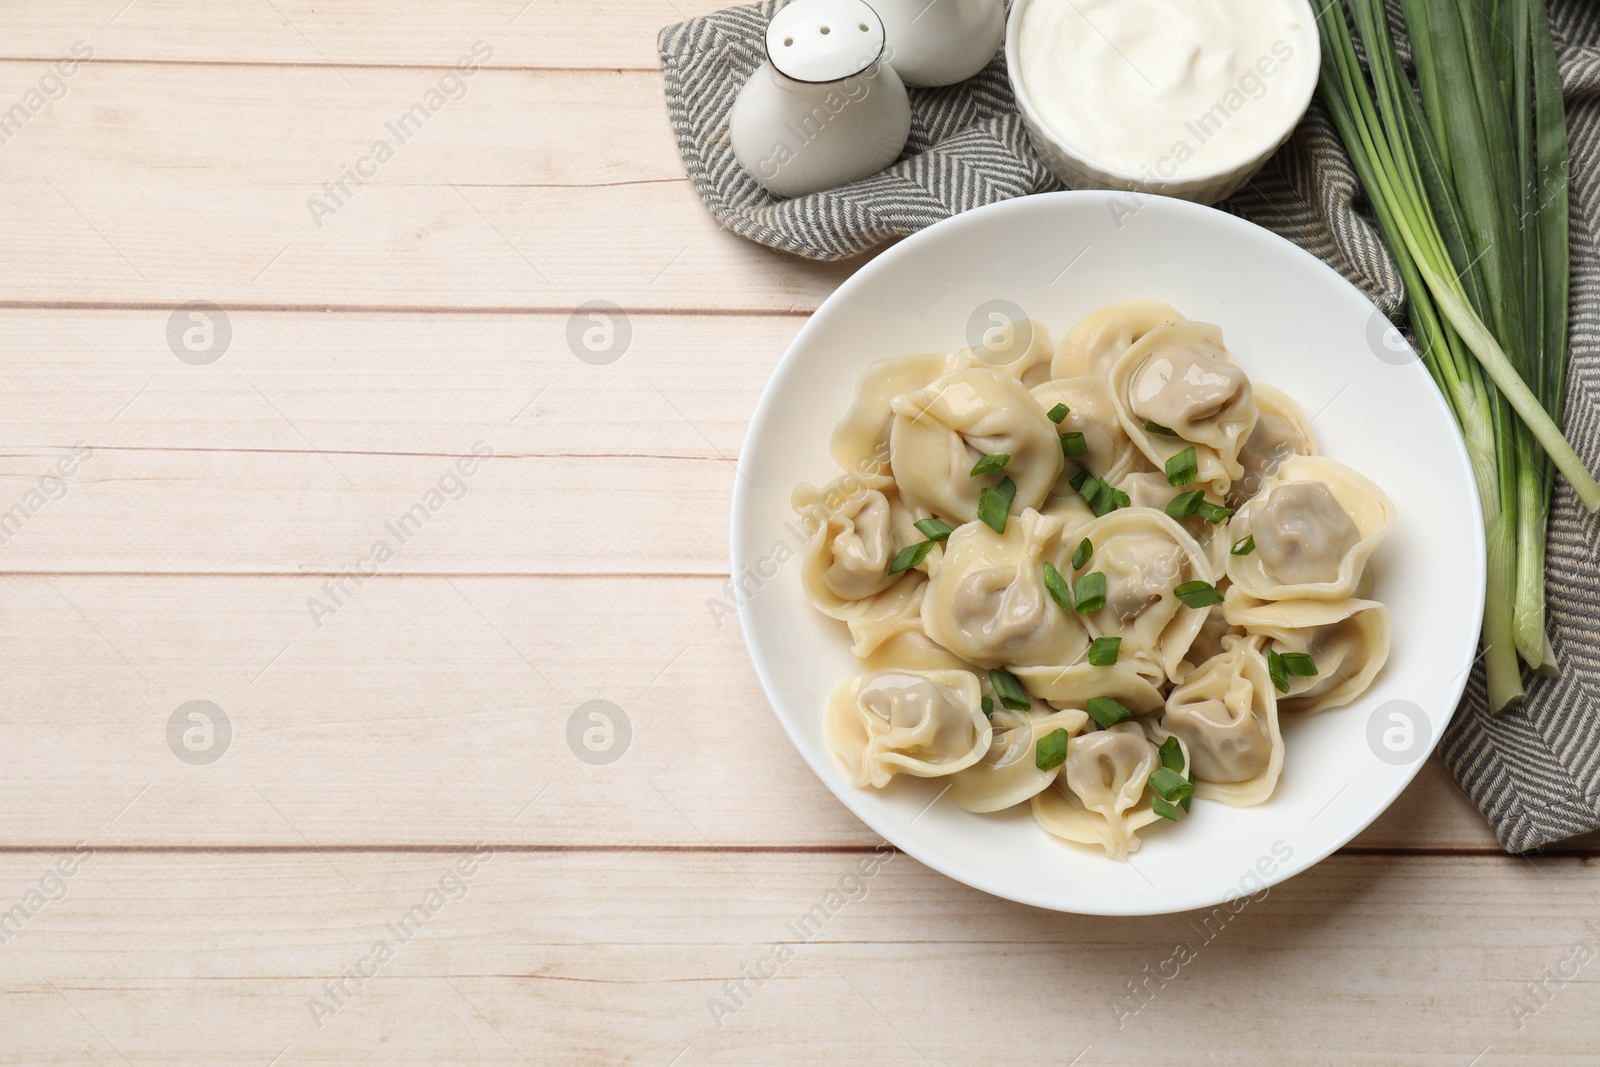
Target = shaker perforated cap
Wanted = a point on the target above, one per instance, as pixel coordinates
(824, 40)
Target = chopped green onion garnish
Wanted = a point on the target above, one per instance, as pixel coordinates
(1109, 499)
(995, 504)
(1198, 594)
(1073, 445)
(1244, 546)
(933, 529)
(1172, 755)
(1081, 554)
(1299, 665)
(1077, 480)
(1051, 751)
(1057, 413)
(1183, 468)
(1106, 711)
(1169, 785)
(1103, 651)
(1057, 586)
(1091, 592)
(1009, 690)
(988, 707)
(1212, 513)
(1182, 506)
(989, 464)
(910, 556)
(1089, 488)
(1277, 670)
(1163, 809)
(1156, 427)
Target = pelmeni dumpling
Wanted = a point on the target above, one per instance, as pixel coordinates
(1009, 773)
(1347, 640)
(1101, 797)
(861, 440)
(941, 431)
(987, 601)
(1144, 556)
(893, 613)
(1314, 523)
(1181, 378)
(852, 542)
(1226, 714)
(1209, 641)
(906, 646)
(1150, 489)
(1073, 686)
(1020, 350)
(923, 723)
(1095, 342)
(1090, 412)
(1281, 431)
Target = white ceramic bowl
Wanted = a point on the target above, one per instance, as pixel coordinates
(1079, 169)
(1289, 320)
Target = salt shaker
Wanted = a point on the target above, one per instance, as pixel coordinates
(825, 109)
(942, 42)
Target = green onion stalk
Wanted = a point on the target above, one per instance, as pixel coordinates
(1469, 203)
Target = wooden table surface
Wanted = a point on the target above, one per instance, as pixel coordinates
(375, 842)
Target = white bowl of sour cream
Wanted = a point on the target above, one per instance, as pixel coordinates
(1185, 98)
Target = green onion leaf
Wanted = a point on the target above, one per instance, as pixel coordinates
(1089, 488)
(1057, 586)
(1107, 711)
(1073, 445)
(1183, 468)
(1299, 665)
(1277, 670)
(1156, 427)
(1078, 480)
(1182, 506)
(933, 529)
(1081, 554)
(988, 707)
(910, 556)
(1091, 592)
(1169, 785)
(1109, 499)
(1198, 594)
(1103, 651)
(1172, 755)
(1244, 546)
(1212, 513)
(1051, 751)
(989, 464)
(1057, 413)
(995, 504)
(1163, 809)
(1009, 690)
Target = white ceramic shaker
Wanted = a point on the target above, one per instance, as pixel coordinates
(941, 42)
(825, 109)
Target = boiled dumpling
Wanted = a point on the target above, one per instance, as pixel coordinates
(1281, 431)
(1182, 379)
(1074, 685)
(923, 723)
(1095, 342)
(853, 539)
(1145, 556)
(1150, 489)
(1226, 714)
(1314, 524)
(1101, 797)
(1110, 454)
(942, 431)
(1009, 773)
(1347, 640)
(987, 601)
(1021, 351)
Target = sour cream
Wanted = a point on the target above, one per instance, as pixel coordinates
(1167, 89)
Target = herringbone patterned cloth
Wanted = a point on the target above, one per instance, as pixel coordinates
(1535, 771)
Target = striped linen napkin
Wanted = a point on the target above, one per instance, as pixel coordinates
(1535, 771)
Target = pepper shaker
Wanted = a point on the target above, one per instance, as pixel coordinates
(942, 42)
(825, 108)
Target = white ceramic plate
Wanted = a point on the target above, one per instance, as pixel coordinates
(1290, 321)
